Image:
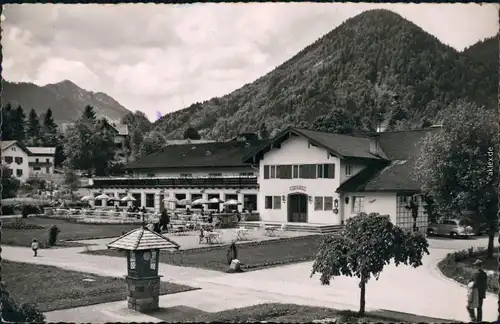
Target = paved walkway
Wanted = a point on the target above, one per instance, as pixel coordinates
(423, 291)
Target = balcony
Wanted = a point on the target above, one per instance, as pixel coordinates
(39, 164)
(221, 182)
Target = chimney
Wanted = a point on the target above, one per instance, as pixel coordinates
(374, 146)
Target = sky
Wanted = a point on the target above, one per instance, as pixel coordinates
(161, 58)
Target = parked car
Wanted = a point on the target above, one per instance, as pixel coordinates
(450, 227)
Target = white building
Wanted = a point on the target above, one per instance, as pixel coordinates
(321, 178)
(188, 171)
(25, 162)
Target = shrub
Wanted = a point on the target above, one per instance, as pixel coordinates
(18, 313)
(8, 210)
(53, 232)
(29, 209)
(21, 224)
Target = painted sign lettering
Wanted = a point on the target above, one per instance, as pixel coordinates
(298, 188)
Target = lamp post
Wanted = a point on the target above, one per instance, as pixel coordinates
(143, 251)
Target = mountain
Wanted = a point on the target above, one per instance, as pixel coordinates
(376, 68)
(66, 99)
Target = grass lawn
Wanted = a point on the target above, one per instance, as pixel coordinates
(284, 313)
(463, 271)
(253, 256)
(52, 288)
(69, 231)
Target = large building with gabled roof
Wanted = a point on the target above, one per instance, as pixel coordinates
(27, 162)
(299, 176)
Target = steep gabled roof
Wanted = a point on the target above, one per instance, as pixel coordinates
(215, 154)
(342, 146)
(42, 150)
(402, 148)
(7, 144)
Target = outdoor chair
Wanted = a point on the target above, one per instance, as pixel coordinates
(281, 230)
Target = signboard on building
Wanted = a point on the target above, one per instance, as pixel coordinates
(298, 188)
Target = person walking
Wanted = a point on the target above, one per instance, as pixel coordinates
(480, 283)
(472, 300)
(34, 247)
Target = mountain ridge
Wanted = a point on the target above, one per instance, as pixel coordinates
(361, 68)
(66, 99)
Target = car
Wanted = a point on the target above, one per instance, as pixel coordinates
(450, 227)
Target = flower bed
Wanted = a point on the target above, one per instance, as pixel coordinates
(458, 266)
(253, 255)
(21, 224)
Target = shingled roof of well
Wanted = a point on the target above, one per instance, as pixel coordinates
(142, 239)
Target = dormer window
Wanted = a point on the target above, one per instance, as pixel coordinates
(13, 149)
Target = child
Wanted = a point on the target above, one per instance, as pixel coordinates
(34, 247)
(472, 300)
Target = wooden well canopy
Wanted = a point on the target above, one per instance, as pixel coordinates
(143, 239)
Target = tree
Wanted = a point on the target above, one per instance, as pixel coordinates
(34, 131)
(10, 185)
(138, 125)
(60, 156)
(19, 123)
(13, 312)
(7, 124)
(365, 246)
(104, 150)
(456, 165)
(49, 129)
(89, 113)
(153, 142)
(337, 121)
(263, 132)
(191, 133)
(71, 181)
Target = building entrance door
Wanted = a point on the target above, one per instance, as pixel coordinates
(297, 208)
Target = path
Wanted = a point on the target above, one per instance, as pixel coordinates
(423, 291)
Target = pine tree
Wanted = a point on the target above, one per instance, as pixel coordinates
(34, 135)
(19, 124)
(49, 129)
(89, 113)
(7, 123)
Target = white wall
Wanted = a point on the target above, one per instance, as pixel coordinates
(383, 203)
(195, 172)
(16, 151)
(297, 150)
(355, 169)
(41, 159)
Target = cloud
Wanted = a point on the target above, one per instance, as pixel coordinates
(164, 57)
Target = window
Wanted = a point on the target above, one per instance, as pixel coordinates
(295, 173)
(326, 171)
(150, 200)
(186, 175)
(216, 174)
(132, 260)
(269, 202)
(307, 171)
(152, 264)
(328, 203)
(318, 203)
(266, 171)
(273, 171)
(37, 160)
(19, 172)
(97, 202)
(348, 169)
(358, 204)
(37, 168)
(8, 159)
(277, 202)
(13, 149)
(18, 159)
(284, 171)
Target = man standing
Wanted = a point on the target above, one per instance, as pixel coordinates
(480, 283)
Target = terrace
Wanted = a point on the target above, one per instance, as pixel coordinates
(178, 182)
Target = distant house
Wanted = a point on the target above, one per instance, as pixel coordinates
(26, 162)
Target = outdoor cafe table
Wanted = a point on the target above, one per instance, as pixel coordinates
(270, 231)
(241, 234)
(211, 237)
